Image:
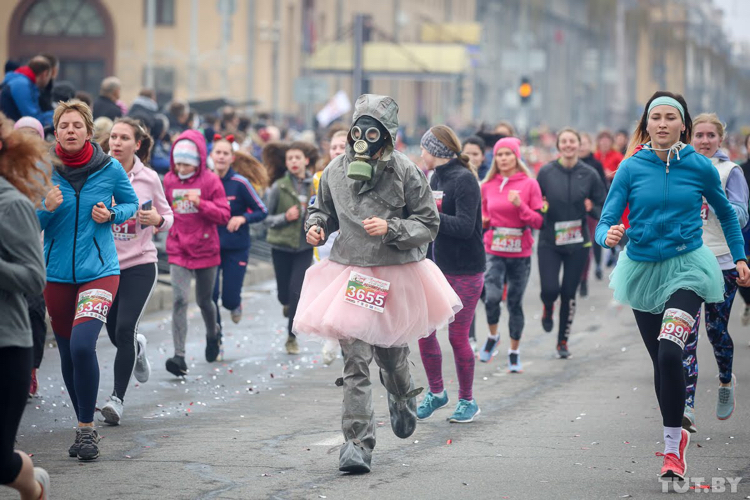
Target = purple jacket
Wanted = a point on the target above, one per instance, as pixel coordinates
(193, 240)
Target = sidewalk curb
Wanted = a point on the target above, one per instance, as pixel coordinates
(161, 300)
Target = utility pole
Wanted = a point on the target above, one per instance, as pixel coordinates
(193, 56)
(358, 73)
(150, 25)
(275, 60)
(250, 61)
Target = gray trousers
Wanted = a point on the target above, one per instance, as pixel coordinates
(204, 287)
(358, 418)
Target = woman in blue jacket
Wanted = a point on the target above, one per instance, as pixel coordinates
(83, 271)
(666, 272)
(246, 208)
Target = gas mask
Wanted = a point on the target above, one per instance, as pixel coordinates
(368, 136)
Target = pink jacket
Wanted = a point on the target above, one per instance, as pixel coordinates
(135, 246)
(193, 241)
(503, 214)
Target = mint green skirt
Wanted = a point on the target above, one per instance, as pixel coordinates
(646, 286)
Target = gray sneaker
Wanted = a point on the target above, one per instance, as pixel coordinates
(42, 478)
(73, 450)
(688, 420)
(725, 404)
(112, 411)
(89, 449)
(142, 368)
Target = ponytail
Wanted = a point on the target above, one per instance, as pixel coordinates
(140, 134)
(447, 136)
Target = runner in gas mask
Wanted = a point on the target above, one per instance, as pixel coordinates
(376, 292)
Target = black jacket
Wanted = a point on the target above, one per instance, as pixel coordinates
(565, 190)
(104, 106)
(458, 248)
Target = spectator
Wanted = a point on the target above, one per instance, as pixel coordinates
(47, 100)
(144, 108)
(20, 96)
(62, 91)
(179, 116)
(102, 127)
(106, 103)
(85, 98)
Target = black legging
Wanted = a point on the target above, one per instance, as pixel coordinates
(745, 293)
(290, 268)
(15, 377)
(38, 319)
(572, 262)
(666, 356)
(136, 285)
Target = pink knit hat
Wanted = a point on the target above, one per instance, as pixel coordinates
(512, 143)
(30, 122)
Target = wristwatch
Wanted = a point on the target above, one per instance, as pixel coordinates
(111, 215)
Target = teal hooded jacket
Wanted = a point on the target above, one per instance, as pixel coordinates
(665, 205)
(77, 249)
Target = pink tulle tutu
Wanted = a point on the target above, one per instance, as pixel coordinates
(419, 301)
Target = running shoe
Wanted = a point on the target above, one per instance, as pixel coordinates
(89, 448)
(725, 403)
(34, 386)
(465, 412)
(598, 273)
(292, 347)
(42, 478)
(547, 322)
(236, 314)
(688, 420)
(176, 366)
(354, 457)
(514, 363)
(488, 351)
(675, 467)
(112, 411)
(562, 350)
(73, 450)
(746, 316)
(584, 289)
(430, 403)
(214, 346)
(142, 368)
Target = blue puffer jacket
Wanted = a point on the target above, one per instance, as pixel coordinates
(77, 249)
(20, 97)
(665, 205)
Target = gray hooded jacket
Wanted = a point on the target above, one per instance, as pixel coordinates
(21, 265)
(398, 192)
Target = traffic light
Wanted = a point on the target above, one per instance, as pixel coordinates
(524, 90)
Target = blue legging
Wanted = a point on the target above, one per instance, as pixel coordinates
(80, 367)
(231, 272)
(717, 319)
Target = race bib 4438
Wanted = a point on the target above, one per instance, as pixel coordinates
(507, 239)
(94, 303)
(676, 326)
(366, 291)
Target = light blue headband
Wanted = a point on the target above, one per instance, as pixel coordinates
(669, 101)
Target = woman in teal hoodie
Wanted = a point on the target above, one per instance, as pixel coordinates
(666, 272)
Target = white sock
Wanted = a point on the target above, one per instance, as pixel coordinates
(516, 351)
(672, 437)
(494, 337)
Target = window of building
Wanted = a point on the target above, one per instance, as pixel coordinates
(164, 12)
(164, 83)
(63, 18)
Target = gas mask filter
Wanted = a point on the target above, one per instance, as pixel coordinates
(367, 136)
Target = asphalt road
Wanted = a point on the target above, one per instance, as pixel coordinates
(263, 424)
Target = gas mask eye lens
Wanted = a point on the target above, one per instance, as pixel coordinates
(356, 133)
(372, 134)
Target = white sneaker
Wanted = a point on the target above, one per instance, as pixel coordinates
(42, 478)
(329, 352)
(112, 411)
(142, 368)
(746, 316)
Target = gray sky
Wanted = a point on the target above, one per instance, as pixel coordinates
(736, 18)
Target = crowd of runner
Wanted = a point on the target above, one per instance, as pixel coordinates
(453, 225)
